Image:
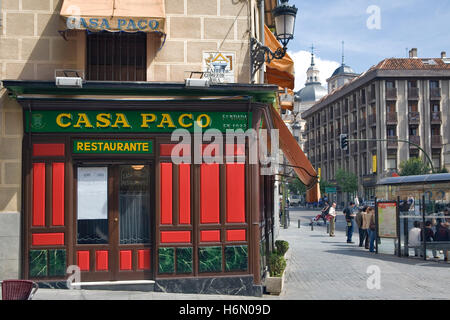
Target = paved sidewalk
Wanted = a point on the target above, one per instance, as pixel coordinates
(318, 267)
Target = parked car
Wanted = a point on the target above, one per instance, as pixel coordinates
(294, 200)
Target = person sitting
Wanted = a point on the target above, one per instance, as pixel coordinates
(429, 236)
(414, 237)
(442, 234)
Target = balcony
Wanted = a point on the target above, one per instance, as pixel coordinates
(338, 132)
(337, 153)
(362, 122)
(363, 145)
(345, 129)
(324, 119)
(325, 156)
(391, 93)
(318, 159)
(337, 112)
(391, 118)
(353, 106)
(415, 140)
(331, 135)
(413, 93)
(346, 108)
(353, 126)
(324, 137)
(436, 141)
(414, 117)
(435, 93)
(312, 143)
(392, 142)
(354, 148)
(372, 144)
(312, 159)
(436, 117)
(372, 119)
(372, 96)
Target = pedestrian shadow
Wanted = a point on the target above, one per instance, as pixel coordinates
(355, 252)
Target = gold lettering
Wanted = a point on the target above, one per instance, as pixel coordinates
(94, 146)
(59, 121)
(79, 146)
(166, 119)
(106, 147)
(126, 147)
(83, 119)
(133, 147)
(103, 120)
(87, 146)
(145, 147)
(181, 122)
(200, 122)
(146, 118)
(119, 146)
(120, 118)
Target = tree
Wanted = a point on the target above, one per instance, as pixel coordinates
(347, 181)
(295, 186)
(324, 184)
(414, 166)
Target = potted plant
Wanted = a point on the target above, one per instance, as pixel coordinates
(277, 264)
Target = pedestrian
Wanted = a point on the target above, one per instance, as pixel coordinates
(324, 212)
(361, 230)
(332, 213)
(350, 219)
(356, 202)
(371, 228)
(414, 237)
(443, 234)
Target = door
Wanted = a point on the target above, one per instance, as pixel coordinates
(113, 221)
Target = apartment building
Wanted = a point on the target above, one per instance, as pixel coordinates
(406, 99)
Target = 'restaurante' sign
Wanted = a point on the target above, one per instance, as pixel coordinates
(132, 121)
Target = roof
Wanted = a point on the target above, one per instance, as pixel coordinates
(389, 67)
(427, 178)
(311, 92)
(343, 69)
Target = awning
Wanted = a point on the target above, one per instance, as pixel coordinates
(114, 15)
(278, 71)
(297, 159)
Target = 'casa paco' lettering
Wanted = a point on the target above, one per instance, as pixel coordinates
(120, 120)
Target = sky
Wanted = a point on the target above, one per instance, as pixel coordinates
(371, 29)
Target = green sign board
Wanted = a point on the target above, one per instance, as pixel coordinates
(330, 190)
(132, 121)
(113, 146)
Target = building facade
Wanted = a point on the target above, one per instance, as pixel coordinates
(406, 99)
(73, 159)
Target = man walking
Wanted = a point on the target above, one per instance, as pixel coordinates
(332, 213)
(350, 218)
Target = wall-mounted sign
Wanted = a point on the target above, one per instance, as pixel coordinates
(387, 219)
(219, 66)
(115, 24)
(112, 146)
(132, 121)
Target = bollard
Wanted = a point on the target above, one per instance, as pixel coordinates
(299, 223)
(312, 225)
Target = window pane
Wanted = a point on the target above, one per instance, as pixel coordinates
(92, 205)
(134, 204)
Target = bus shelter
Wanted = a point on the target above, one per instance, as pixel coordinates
(408, 202)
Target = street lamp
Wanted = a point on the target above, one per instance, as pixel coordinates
(284, 16)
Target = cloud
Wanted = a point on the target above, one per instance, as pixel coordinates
(302, 61)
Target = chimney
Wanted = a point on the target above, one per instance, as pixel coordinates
(443, 55)
(413, 53)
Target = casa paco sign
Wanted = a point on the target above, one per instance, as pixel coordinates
(114, 24)
(132, 121)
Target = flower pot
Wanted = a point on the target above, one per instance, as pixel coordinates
(274, 285)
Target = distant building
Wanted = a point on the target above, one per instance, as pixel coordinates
(398, 99)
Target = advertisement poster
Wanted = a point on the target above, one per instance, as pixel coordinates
(387, 220)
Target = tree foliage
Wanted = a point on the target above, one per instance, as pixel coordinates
(347, 181)
(414, 166)
(295, 186)
(324, 184)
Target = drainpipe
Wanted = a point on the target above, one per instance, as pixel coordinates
(261, 34)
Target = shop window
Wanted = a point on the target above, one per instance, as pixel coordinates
(92, 205)
(116, 56)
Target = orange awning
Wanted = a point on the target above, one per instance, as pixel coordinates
(278, 71)
(294, 154)
(114, 15)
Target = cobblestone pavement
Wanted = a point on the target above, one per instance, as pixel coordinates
(318, 267)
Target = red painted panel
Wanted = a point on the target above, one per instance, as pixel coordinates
(38, 194)
(210, 236)
(165, 150)
(236, 235)
(209, 193)
(101, 260)
(184, 194)
(48, 149)
(58, 194)
(175, 236)
(47, 239)
(239, 149)
(166, 193)
(235, 193)
(144, 259)
(83, 260)
(125, 260)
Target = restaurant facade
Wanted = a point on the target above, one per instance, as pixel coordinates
(96, 188)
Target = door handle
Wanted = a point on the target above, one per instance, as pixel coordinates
(116, 219)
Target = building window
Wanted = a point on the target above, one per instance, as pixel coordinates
(391, 164)
(436, 130)
(412, 106)
(390, 107)
(116, 56)
(413, 131)
(435, 106)
(390, 84)
(434, 84)
(412, 84)
(391, 132)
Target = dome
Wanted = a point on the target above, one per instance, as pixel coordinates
(311, 92)
(342, 70)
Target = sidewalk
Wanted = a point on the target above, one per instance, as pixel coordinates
(318, 268)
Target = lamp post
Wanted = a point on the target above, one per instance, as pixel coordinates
(284, 16)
